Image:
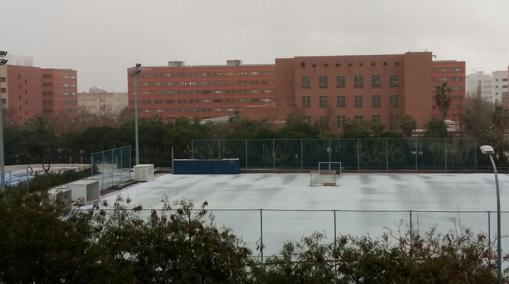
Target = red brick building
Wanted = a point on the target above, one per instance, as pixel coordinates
(331, 89)
(451, 72)
(59, 93)
(32, 91)
(200, 91)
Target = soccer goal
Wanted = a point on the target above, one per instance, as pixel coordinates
(326, 175)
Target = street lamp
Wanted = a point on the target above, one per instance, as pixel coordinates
(2, 160)
(137, 71)
(488, 150)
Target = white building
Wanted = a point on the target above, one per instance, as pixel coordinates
(490, 88)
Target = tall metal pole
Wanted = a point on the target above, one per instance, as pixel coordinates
(137, 71)
(499, 226)
(2, 159)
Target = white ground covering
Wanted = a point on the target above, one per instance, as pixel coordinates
(424, 192)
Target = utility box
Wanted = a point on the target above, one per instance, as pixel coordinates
(144, 172)
(85, 189)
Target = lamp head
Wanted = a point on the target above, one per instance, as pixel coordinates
(487, 150)
(138, 68)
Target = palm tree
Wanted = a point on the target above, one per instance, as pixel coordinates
(442, 99)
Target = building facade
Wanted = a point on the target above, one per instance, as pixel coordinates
(32, 91)
(328, 89)
(200, 91)
(492, 87)
(102, 103)
(451, 72)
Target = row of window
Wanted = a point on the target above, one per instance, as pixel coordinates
(376, 101)
(358, 81)
(205, 101)
(65, 85)
(444, 69)
(349, 64)
(456, 79)
(206, 92)
(206, 83)
(341, 119)
(190, 110)
(207, 74)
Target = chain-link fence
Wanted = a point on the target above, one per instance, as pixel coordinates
(369, 154)
(265, 231)
(111, 167)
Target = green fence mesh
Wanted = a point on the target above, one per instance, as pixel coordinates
(369, 154)
(111, 167)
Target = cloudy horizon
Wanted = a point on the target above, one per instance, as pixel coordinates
(101, 39)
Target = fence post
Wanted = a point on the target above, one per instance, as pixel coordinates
(445, 154)
(301, 155)
(358, 156)
(245, 140)
(475, 154)
(261, 234)
(121, 162)
(219, 148)
(411, 231)
(102, 172)
(273, 154)
(386, 155)
(335, 244)
(329, 149)
(489, 231)
(192, 149)
(416, 153)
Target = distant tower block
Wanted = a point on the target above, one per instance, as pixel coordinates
(176, 63)
(233, 62)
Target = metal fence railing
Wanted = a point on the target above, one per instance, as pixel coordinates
(369, 154)
(265, 231)
(111, 167)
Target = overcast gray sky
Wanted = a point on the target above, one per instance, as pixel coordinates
(101, 38)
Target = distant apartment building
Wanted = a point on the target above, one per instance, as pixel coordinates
(384, 88)
(329, 89)
(32, 91)
(490, 87)
(177, 90)
(100, 102)
(451, 72)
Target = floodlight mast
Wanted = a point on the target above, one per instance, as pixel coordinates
(488, 150)
(137, 71)
(2, 158)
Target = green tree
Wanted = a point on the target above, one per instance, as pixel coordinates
(442, 99)
(436, 129)
(408, 125)
(40, 142)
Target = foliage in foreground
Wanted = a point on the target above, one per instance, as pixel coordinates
(42, 243)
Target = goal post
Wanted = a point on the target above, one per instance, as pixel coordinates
(326, 174)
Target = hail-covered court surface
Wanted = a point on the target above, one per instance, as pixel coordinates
(280, 207)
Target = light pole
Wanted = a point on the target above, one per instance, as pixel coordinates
(2, 160)
(137, 71)
(488, 150)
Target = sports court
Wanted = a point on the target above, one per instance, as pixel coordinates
(280, 207)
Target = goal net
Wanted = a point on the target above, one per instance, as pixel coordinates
(326, 175)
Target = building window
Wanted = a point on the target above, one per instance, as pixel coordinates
(306, 102)
(340, 101)
(394, 81)
(376, 81)
(394, 100)
(324, 120)
(358, 81)
(375, 118)
(306, 83)
(322, 81)
(340, 81)
(358, 118)
(323, 101)
(359, 101)
(340, 121)
(375, 101)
